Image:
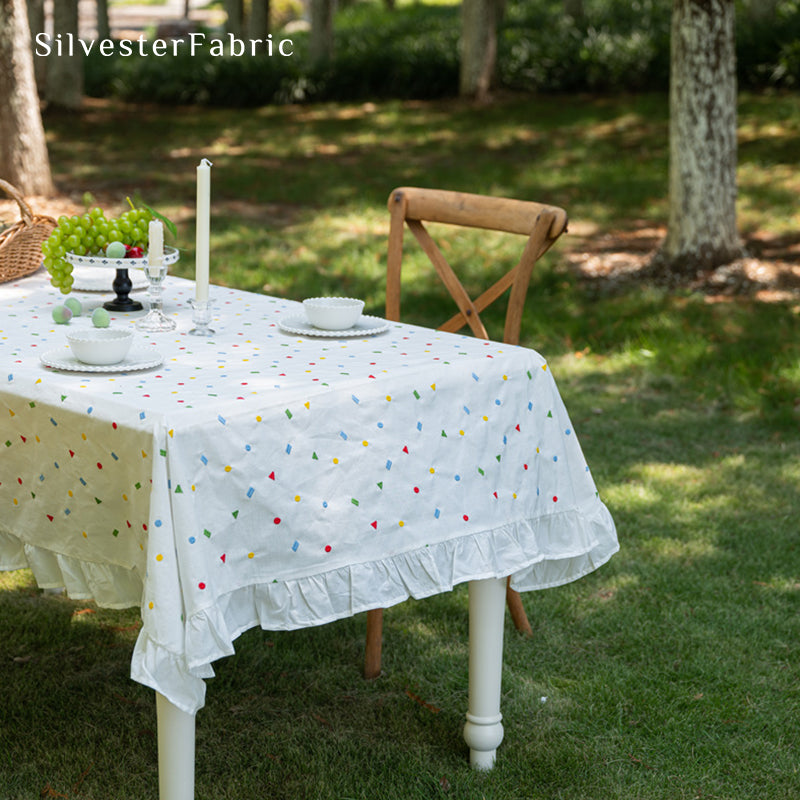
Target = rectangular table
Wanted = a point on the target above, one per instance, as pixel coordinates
(264, 478)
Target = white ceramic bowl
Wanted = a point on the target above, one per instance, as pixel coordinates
(333, 313)
(100, 346)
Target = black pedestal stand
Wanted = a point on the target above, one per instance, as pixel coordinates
(122, 286)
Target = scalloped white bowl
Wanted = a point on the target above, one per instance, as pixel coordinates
(333, 313)
(100, 346)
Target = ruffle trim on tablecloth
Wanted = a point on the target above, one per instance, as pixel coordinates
(109, 585)
(569, 546)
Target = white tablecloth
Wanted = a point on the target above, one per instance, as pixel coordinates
(264, 478)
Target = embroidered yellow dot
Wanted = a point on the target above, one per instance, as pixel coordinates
(150, 605)
(258, 418)
(388, 398)
(85, 535)
(365, 443)
(461, 433)
(485, 418)
(297, 498)
(159, 557)
(228, 468)
(335, 460)
(401, 523)
(251, 555)
(432, 470)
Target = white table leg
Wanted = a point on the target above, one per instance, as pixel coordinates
(175, 751)
(483, 730)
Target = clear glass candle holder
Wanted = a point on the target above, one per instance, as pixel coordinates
(201, 317)
(155, 320)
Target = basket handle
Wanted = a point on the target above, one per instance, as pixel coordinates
(24, 208)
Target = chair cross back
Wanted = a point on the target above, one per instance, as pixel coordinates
(542, 224)
(410, 206)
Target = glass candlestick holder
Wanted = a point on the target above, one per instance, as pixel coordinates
(201, 317)
(155, 320)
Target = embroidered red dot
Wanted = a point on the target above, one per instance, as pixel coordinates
(328, 548)
(277, 520)
(416, 490)
(466, 518)
(555, 499)
(201, 585)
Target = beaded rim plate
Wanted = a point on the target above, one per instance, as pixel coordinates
(137, 359)
(171, 255)
(366, 326)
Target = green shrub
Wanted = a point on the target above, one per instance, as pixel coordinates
(413, 53)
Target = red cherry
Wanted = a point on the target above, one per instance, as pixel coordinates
(133, 252)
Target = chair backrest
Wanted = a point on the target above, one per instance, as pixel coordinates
(542, 224)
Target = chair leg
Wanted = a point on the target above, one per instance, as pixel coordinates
(517, 610)
(372, 655)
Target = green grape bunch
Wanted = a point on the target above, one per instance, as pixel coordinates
(90, 234)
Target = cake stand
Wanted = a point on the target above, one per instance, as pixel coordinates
(122, 284)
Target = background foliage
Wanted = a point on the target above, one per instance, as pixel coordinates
(412, 53)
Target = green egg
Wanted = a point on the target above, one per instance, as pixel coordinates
(62, 315)
(115, 250)
(74, 305)
(100, 318)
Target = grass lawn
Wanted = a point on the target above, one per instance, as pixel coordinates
(671, 673)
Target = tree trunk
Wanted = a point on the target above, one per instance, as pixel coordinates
(702, 175)
(575, 9)
(103, 26)
(36, 23)
(320, 43)
(23, 149)
(259, 19)
(235, 22)
(65, 70)
(478, 48)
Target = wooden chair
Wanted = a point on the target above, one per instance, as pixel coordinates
(541, 224)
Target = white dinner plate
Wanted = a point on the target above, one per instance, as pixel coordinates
(87, 279)
(135, 360)
(366, 326)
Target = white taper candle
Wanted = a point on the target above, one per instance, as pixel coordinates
(203, 230)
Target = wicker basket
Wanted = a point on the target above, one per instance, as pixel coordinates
(21, 243)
